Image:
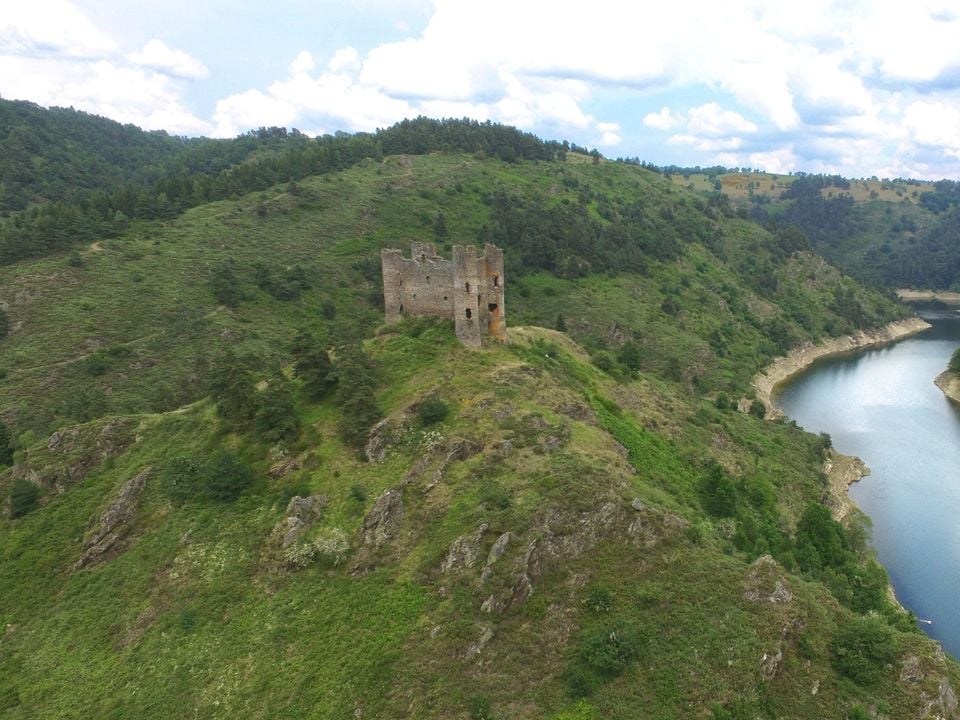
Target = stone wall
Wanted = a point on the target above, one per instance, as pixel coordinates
(468, 288)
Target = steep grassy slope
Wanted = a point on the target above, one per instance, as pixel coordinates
(582, 536)
(613, 594)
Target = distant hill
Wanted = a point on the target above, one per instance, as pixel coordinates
(895, 233)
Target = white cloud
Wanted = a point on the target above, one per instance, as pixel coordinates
(156, 55)
(858, 86)
(50, 27)
(663, 120)
(344, 60)
(712, 120)
(609, 134)
(780, 161)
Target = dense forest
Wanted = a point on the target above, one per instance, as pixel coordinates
(67, 197)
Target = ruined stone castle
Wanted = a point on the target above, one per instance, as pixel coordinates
(468, 289)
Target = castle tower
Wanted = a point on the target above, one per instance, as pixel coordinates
(468, 289)
(467, 295)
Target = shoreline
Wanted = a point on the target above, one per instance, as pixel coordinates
(909, 295)
(841, 470)
(799, 359)
(949, 383)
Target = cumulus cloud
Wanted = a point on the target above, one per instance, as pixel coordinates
(49, 28)
(52, 54)
(156, 55)
(609, 134)
(663, 120)
(838, 86)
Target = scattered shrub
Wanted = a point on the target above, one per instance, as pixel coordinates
(355, 395)
(4, 323)
(6, 446)
(432, 410)
(599, 598)
(610, 648)
(181, 478)
(758, 409)
(23, 497)
(275, 418)
(226, 476)
(480, 705)
(232, 388)
(863, 648)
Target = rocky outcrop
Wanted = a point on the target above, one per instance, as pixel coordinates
(765, 582)
(802, 357)
(72, 453)
(115, 522)
(380, 525)
(841, 472)
(950, 384)
(301, 514)
(463, 551)
(559, 536)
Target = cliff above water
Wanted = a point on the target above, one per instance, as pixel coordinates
(949, 382)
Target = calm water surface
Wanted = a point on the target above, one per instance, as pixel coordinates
(882, 406)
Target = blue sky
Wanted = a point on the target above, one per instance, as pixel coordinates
(859, 88)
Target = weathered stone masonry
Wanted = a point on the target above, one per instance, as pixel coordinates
(468, 289)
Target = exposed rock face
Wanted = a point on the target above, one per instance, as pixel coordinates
(380, 526)
(115, 522)
(72, 453)
(842, 471)
(496, 552)
(765, 583)
(378, 442)
(463, 551)
(383, 520)
(802, 357)
(301, 514)
(561, 535)
(285, 466)
(950, 384)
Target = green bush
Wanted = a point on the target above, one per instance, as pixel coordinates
(610, 648)
(6, 446)
(226, 476)
(863, 648)
(23, 497)
(758, 409)
(432, 410)
(355, 395)
(182, 478)
(4, 323)
(275, 418)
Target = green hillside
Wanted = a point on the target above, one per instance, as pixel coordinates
(233, 493)
(892, 233)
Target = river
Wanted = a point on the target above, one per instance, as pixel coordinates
(882, 406)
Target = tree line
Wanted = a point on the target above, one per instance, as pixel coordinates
(211, 170)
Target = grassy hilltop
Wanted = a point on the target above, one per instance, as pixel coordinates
(577, 524)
